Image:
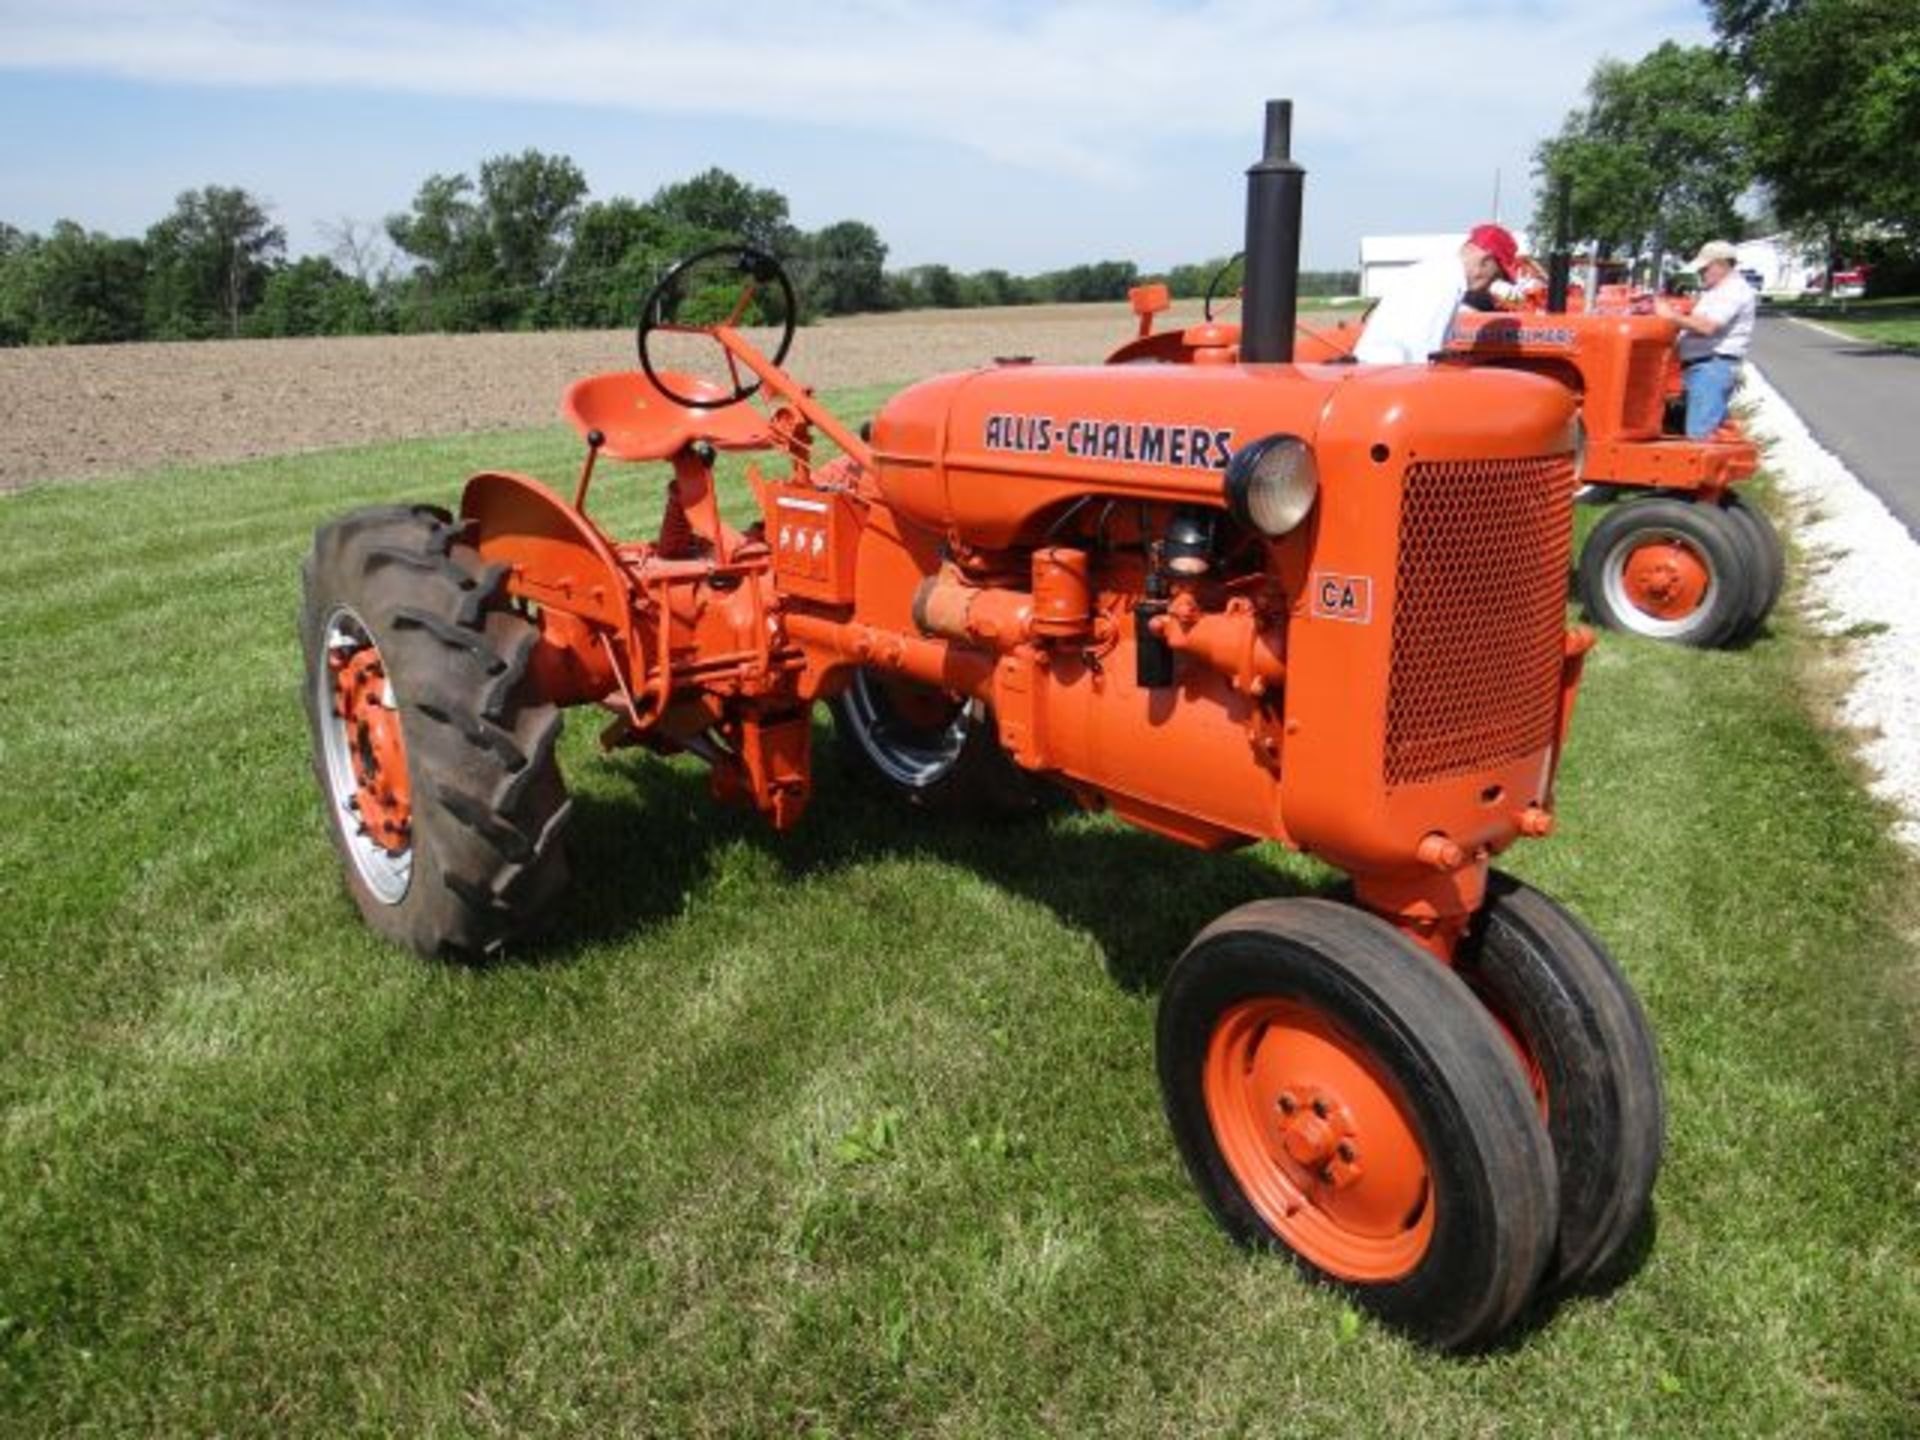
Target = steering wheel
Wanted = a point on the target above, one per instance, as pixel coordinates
(1213, 285)
(658, 311)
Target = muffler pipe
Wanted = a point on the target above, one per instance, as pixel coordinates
(1560, 262)
(1270, 298)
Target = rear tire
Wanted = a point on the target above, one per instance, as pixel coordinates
(449, 750)
(938, 752)
(1557, 992)
(1292, 1028)
(1667, 569)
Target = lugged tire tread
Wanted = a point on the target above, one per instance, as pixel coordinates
(489, 803)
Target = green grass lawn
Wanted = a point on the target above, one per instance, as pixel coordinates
(849, 1131)
(1894, 320)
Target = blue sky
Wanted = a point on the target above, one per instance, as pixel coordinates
(982, 134)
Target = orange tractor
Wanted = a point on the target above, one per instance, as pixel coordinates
(1679, 555)
(1227, 603)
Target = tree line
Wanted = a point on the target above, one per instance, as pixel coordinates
(518, 246)
(1814, 102)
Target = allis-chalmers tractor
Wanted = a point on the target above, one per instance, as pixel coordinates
(1679, 555)
(1228, 603)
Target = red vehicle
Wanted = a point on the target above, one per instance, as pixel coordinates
(1850, 284)
(1226, 602)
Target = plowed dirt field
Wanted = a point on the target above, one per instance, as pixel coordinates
(92, 410)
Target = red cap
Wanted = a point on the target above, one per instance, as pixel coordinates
(1499, 243)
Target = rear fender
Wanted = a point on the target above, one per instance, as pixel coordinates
(558, 560)
(554, 554)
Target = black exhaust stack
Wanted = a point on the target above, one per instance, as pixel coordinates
(1271, 296)
(1560, 263)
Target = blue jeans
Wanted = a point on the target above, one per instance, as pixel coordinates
(1709, 391)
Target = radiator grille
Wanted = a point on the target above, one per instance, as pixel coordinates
(1645, 403)
(1478, 617)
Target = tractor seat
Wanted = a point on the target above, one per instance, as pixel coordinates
(639, 423)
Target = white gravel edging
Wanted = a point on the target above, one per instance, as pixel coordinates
(1862, 572)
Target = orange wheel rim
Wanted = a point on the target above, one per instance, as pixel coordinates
(381, 791)
(1321, 1143)
(1666, 578)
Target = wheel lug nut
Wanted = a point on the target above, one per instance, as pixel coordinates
(1344, 1151)
(1320, 1108)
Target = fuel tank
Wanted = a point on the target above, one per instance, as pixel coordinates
(990, 456)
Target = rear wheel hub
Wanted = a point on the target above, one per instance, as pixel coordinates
(363, 699)
(365, 753)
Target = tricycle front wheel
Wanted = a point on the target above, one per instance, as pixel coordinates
(1337, 1093)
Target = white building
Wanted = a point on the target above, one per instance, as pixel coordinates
(1383, 256)
(1786, 265)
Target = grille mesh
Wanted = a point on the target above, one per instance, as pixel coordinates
(1479, 613)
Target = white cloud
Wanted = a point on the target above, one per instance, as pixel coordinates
(1071, 88)
(1122, 120)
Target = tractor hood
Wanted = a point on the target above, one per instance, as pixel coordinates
(990, 456)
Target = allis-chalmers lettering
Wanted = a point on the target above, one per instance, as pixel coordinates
(1512, 332)
(1198, 447)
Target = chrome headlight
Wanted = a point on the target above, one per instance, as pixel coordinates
(1272, 482)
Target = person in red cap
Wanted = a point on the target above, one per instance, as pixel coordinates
(1412, 319)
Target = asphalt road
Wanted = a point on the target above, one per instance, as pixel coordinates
(1861, 399)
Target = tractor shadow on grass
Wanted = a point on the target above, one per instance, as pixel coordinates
(637, 860)
(1543, 1309)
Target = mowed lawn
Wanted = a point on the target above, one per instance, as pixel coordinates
(849, 1131)
(1893, 320)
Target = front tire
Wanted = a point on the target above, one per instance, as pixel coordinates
(434, 755)
(1338, 1093)
(1587, 1048)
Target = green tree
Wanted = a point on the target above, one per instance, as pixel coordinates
(455, 282)
(1101, 280)
(208, 263)
(843, 269)
(903, 290)
(313, 296)
(727, 207)
(619, 249)
(619, 252)
(1656, 152)
(14, 286)
(1835, 119)
(939, 287)
(996, 287)
(486, 256)
(1189, 282)
(528, 204)
(75, 287)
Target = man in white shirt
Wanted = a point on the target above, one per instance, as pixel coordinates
(1713, 337)
(1412, 319)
